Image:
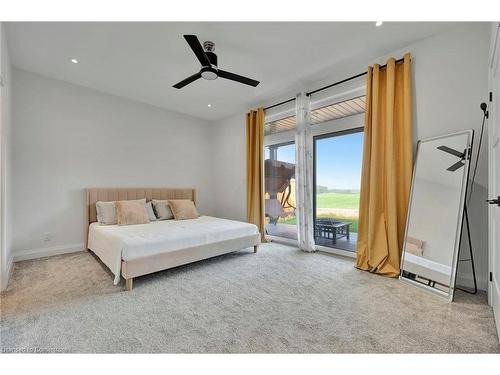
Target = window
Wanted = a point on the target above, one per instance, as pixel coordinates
(337, 177)
(280, 190)
(338, 144)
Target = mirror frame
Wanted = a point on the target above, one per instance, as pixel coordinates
(458, 234)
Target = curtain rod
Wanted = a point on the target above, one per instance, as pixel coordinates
(331, 85)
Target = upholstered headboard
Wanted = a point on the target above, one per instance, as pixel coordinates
(120, 194)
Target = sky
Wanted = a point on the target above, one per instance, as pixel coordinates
(338, 160)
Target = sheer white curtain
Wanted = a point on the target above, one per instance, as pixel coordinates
(304, 173)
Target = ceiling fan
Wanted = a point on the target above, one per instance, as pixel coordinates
(458, 154)
(208, 61)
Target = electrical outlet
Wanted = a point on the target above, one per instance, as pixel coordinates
(47, 237)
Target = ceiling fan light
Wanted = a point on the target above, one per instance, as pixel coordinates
(208, 73)
(209, 69)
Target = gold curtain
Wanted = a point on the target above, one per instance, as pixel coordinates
(255, 170)
(387, 168)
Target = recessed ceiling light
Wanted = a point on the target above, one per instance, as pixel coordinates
(74, 61)
(209, 106)
(378, 23)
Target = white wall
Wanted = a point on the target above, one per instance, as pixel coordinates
(450, 81)
(5, 162)
(67, 138)
(229, 150)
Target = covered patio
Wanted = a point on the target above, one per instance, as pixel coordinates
(290, 231)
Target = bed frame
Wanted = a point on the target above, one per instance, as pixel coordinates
(159, 262)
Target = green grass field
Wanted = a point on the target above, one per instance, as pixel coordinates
(338, 200)
(334, 200)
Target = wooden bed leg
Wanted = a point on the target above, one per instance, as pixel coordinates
(255, 248)
(129, 283)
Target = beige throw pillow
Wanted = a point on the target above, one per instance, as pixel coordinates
(162, 209)
(183, 209)
(131, 212)
(106, 211)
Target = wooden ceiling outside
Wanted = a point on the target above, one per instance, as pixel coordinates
(330, 112)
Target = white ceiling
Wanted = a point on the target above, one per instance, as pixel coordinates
(142, 61)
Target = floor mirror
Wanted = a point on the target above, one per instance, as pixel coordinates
(436, 211)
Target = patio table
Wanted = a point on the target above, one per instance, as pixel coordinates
(331, 229)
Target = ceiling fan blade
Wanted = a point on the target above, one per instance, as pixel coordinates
(455, 166)
(238, 78)
(195, 45)
(451, 151)
(187, 81)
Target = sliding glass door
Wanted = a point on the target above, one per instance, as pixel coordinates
(280, 190)
(337, 179)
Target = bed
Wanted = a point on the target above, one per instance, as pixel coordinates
(135, 250)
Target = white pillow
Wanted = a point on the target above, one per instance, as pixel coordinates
(162, 209)
(151, 213)
(106, 212)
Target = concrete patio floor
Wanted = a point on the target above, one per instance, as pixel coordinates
(289, 231)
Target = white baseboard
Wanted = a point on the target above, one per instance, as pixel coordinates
(10, 263)
(495, 304)
(47, 251)
(8, 273)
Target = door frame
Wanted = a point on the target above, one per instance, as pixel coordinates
(494, 118)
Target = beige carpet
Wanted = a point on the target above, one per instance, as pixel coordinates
(278, 300)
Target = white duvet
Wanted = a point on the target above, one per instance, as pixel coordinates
(112, 243)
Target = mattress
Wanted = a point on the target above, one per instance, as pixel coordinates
(114, 243)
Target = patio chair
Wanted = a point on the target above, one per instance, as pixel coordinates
(274, 210)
